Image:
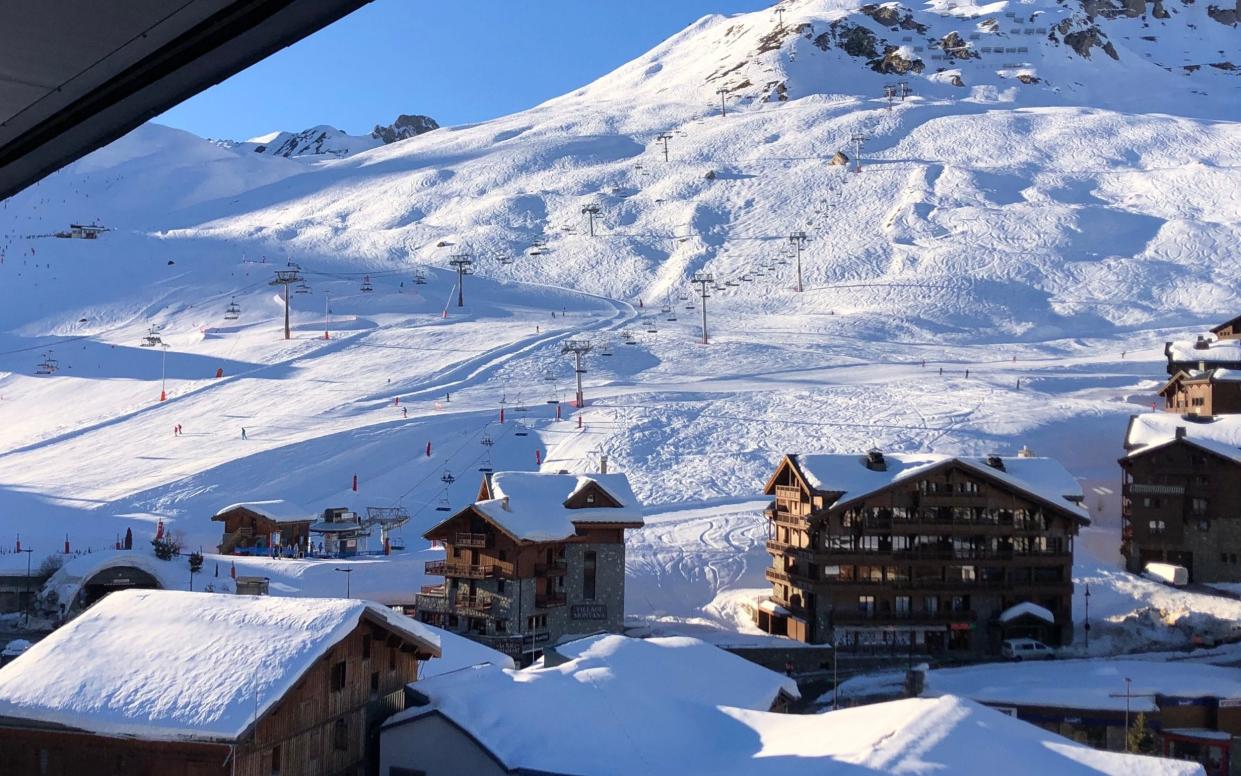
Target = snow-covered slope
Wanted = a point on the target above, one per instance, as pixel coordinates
(1002, 271)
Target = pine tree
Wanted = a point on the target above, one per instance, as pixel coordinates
(1140, 739)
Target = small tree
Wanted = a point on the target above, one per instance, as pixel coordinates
(167, 547)
(129, 538)
(1140, 739)
(196, 565)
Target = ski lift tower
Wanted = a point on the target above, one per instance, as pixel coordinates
(578, 348)
(664, 137)
(591, 211)
(903, 89)
(461, 262)
(890, 93)
(286, 278)
(722, 91)
(857, 139)
(798, 239)
(702, 280)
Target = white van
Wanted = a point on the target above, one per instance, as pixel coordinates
(1026, 649)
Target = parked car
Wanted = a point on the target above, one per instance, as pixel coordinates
(1026, 649)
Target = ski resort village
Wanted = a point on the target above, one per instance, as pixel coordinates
(835, 388)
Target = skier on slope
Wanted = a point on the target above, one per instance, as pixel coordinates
(243, 433)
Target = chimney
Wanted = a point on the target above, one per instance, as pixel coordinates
(1025, 452)
(1202, 366)
(1180, 432)
(504, 504)
(1202, 343)
(995, 462)
(603, 463)
(875, 462)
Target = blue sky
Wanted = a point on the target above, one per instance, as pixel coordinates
(457, 61)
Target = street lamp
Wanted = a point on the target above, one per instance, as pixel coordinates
(28, 552)
(1128, 695)
(348, 578)
(1086, 628)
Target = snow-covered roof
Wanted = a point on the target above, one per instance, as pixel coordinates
(609, 732)
(165, 665)
(278, 510)
(531, 505)
(608, 677)
(1026, 608)
(1084, 684)
(1220, 434)
(1044, 478)
(458, 652)
(1216, 351)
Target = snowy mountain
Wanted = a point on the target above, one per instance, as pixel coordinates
(325, 141)
(1057, 195)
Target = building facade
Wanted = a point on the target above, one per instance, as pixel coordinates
(251, 529)
(1181, 504)
(536, 558)
(919, 553)
(1210, 392)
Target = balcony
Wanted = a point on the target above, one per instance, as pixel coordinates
(910, 617)
(556, 568)
(477, 605)
(549, 600)
(470, 540)
(776, 575)
(451, 568)
(788, 518)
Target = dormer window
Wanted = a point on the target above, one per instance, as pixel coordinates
(590, 498)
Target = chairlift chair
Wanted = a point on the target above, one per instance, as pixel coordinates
(302, 288)
(606, 350)
(233, 311)
(444, 505)
(420, 278)
(447, 478)
(521, 430)
(366, 284)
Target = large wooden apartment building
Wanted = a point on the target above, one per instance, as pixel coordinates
(536, 557)
(1181, 494)
(920, 553)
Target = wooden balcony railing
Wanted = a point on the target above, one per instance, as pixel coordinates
(556, 568)
(450, 568)
(470, 540)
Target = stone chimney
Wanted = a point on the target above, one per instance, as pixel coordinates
(603, 463)
(1180, 432)
(504, 504)
(995, 462)
(875, 462)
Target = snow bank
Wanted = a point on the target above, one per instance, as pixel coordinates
(173, 665)
(1024, 608)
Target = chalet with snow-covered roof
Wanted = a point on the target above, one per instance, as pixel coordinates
(1202, 354)
(255, 527)
(1209, 392)
(192, 684)
(537, 557)
(608, 693)
(1181, 494)
(1228, 330)
(921, 553)
(611, 706)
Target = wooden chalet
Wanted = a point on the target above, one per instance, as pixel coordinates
(537, 556)
(920, 553)
(1181, 495)
(191, 684)
(1208, 392)
(1230, 329)
(257, 527)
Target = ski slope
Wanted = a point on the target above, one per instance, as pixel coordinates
(1003, 271)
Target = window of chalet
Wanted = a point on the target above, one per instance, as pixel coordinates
(930, 604)
(866, 606)
(1158, 527)
(589, 562)
(275, 760)
(340, 735)
(1198, 505)
(338, 676)
(902, 605)
(366, 647)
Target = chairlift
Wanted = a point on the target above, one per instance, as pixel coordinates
(152, 338)
(366, 284)
(521, 430)
(549, 376)
(730, 283)
(233, 311)
(606, 350)
(746, 278)
(420, 278)
(651, 328)
(444, 505)
(447, 478)
(48, 365)
(506, 260)
(302, 288)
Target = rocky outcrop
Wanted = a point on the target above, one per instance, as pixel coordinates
(955, 46)
(894, 17)
(854, 40)
(1228, 16)
(840, 159)
(404, 127)
(893, 62)
(1084, 39)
